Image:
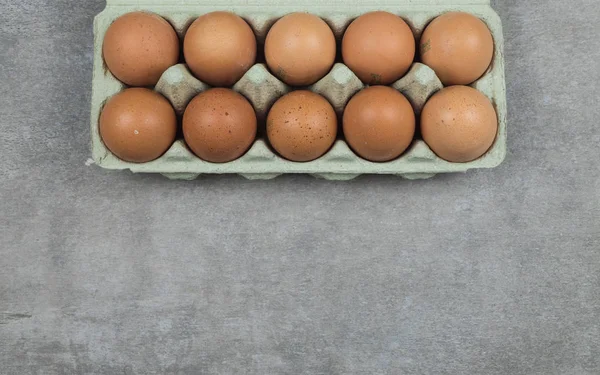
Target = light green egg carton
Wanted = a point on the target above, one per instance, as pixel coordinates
(263, 89)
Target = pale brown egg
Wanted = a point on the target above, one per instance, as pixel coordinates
(458, 47)
(300, 49)
(379, 123)
(302, 126)
(138, 47)
(138, 125)
(459, 124)
(219, 48)
(379, 47)
(219, 125)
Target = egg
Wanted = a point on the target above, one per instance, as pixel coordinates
(379, 47)
(300, 49)
(459, 124)
(219, 48)
(302, 126)
(138, 125)
(379, 123)
(458, 47)
(138, 47)
(219, 125)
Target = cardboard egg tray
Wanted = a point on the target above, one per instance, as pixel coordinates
(262, 89)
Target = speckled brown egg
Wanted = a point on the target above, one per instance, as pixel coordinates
(138, 48)
(379, 47)
(138, 125)
(219, 125)
(459, 124)
(379, 123)
(300, 49)
(302, 126)
(219, 48)
(458, 47)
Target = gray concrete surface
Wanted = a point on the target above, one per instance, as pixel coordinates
(492, 272)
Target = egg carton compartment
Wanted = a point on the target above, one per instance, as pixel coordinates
(262, 89)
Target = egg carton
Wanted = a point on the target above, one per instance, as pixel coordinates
(262, 88)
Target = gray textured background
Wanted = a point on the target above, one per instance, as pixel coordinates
(492, 272)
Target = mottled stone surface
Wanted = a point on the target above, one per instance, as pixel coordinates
(490, 272)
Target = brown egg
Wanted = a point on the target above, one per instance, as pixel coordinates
(138, 48)
(219, 48)
(138, 125)
(302, 126)
(219, 125)
(300, 49)
(379, 47)
(458, 47)
(379, 123)
(459, 124)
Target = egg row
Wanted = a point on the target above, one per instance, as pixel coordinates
(379, 124)
(300, 48)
